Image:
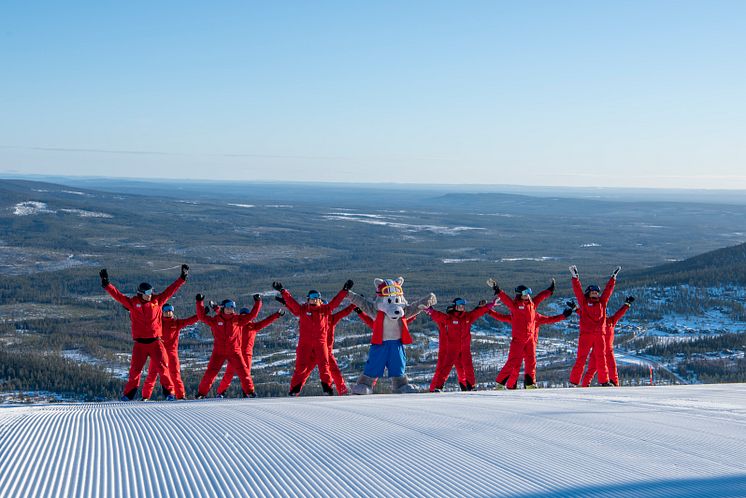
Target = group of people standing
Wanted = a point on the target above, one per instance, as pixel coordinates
(155, 332)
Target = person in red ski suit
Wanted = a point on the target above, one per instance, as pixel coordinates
(592, 310)
(313, 330)
(454, 348)
(226, 327)
(337, 376)
(525, 322)
(248, 335)
(609, 341)
(146, 314)
(171, 327)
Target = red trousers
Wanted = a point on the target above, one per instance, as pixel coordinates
(225, 383)
(450, 358)
(519, 349)
(158, 361)
(235, 360)
(336, 374)
(586, 342)
(610, 363)
(174, 370)
(308, 357)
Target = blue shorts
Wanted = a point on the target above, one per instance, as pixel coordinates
(389, 355)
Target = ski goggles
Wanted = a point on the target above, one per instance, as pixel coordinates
(229, 304)
(459, 302)
(391, 289)
(314, 295)
(592, 288)
(525, 292)
(167, 308)
(148, 292)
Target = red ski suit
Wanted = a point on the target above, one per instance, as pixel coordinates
(171, 328)
(525, 322)
(248, 335)
(336, 373)
(226, 330)
(313, 332)
(454, 348)
(610, 360)
(145, 317)
(592, 326)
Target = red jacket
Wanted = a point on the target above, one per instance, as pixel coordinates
(146, 316)
(455, 325)
(248, 333)
(314, 321)
(377, 327)
(592, 313)
(171, 328)
(524, 319)
(226, 329)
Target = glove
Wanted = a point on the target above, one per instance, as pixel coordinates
(552, 286)
(616, 271)
(567, 312)
(214, 305)
(571, 305)
(104, 277)
(629, 300)
(281, 312)
(358, 311)
(281, 300)
(348, 285)
(200, 297)
(493, 283)
(257, 298)
(574, 271)
(277, 286)
(483, 302)
(207, 310)
(184, 271)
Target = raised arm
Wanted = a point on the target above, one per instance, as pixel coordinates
(337, 300)
(412, 309)
(185, 322)
(167, 294)
(290, 302)
(364, 304)
(200, 308)
(336, 317)
(544, 320)
(500, 317)
(507, 301)
(480, 311)
(614, 319)
(256, 307)
(609, 289)
(577, 289)
(437, 316)
(267, 321)
(118, 296)
(365, 318)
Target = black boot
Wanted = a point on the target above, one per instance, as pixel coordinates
(464, 387)
(469, 386)
(327, 389)
(295, 390)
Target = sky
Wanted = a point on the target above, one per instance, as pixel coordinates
(573, 93)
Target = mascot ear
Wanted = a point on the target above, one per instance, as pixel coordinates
(377, 282)
(400, 280)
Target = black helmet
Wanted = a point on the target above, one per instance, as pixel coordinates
(592, 288)
(313, 294)
(522, 289)
(459, 301)
(144, 288)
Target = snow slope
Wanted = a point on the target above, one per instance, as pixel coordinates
(642, 442)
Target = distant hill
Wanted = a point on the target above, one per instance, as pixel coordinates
(722, 266)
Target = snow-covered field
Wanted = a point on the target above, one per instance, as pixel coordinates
(642, 442)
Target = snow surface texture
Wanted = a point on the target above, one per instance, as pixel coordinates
(642, 442)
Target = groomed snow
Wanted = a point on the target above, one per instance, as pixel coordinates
(642, 442)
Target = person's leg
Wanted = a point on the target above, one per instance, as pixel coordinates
(585, 343)
(213, 367)
(137, 362)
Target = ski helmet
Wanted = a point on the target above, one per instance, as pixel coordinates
(145, 288)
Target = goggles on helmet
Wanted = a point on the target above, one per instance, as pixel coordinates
(167, 308)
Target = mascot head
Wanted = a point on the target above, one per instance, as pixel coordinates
(390, 297)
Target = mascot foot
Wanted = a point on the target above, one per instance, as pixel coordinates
(364, 385)
(401, 385)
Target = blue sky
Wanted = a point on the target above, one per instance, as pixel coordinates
(624, 93)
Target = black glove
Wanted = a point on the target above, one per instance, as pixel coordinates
(214, 305)
(348, 285)
(567, 312)
(616, 271)
(574, 271)
(358, 311)
(571, 305)
(281, 312)
(257, 298)
(495, 287)
(104, 277)
(277, 286)
(629, 300)
(184, 272)
(207, 310)
(281, 299)
(552, 286)
(483, 302)
(200, 297)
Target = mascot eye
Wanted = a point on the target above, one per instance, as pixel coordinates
(389, 300)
